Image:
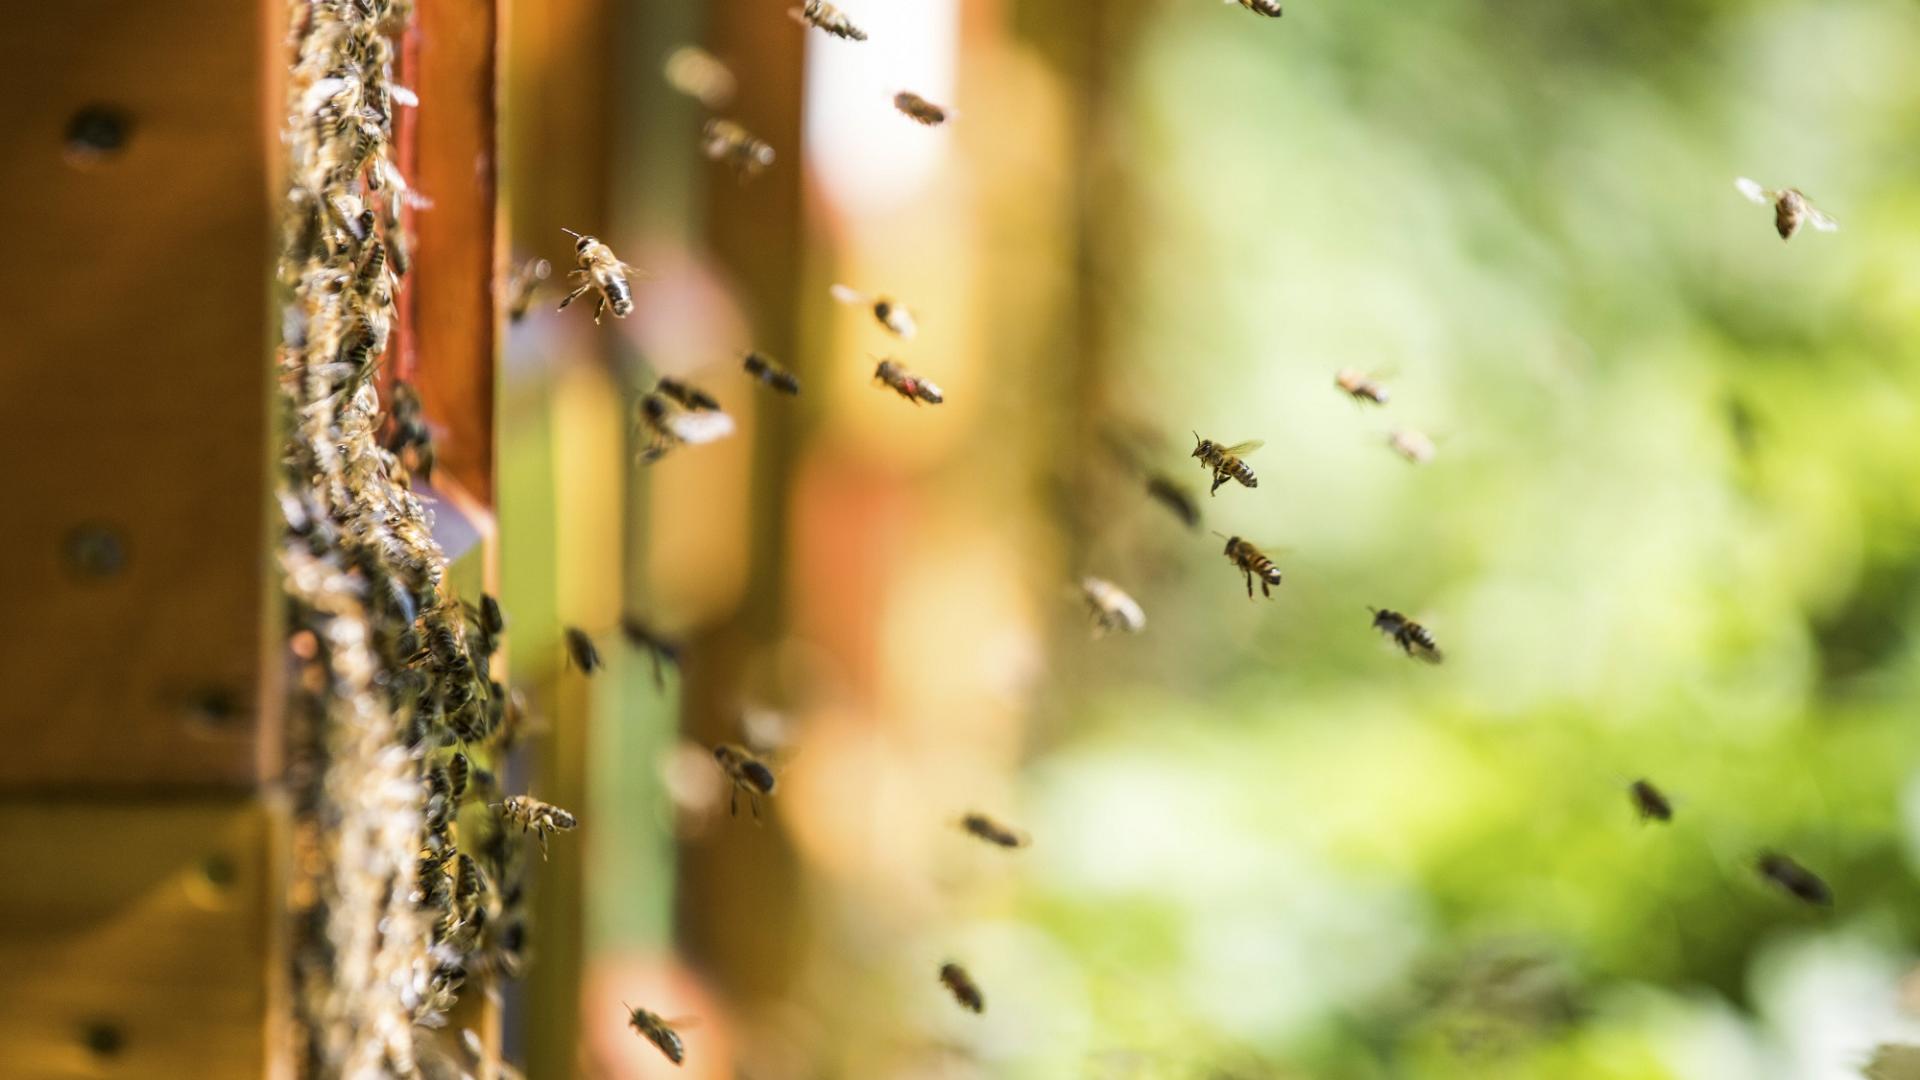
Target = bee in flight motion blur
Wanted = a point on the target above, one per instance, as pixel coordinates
(763, 368)
(961, 985)
(687, 395)
(537, 817)
(891, 314)
(1112, 609)
(1175, 498)
(1269, 8)
(700, 75)
(662, 652)
(1360, 386)
(1412, 445)
(747, 773)
(906, 384)
(1795, 880)
(1651, 803)
(824, 16)
(1224, 461)
(920, 109)
(581, 651)
(1791, 208)
(740, 149)
(658, 1032)
(669, 424)
(1253, 564)
(1414, 640)
(600, 269)
(993, 832)
(524, 285)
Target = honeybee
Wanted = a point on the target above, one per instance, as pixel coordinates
(824, 16)
(1111, 607)
(687, 395)
(1360, 387)
(581, 651)
(1269, 8)
(524, 285)
(663, 653)
(964, 989)
(920, 109)
(1791, 208)
(746, 154)
(1413, 639)
(459, 771)
(763, 368)
(700, 75)
(1650, 801)
(536, 817)
(748, 773)
(891, 314)
(1175, 498)
(600, 269)
(1253, 564)
(668, 425)
(1224, 461)
(492, 619)
(993, 832)
(906, 384)
(658, 1032)
(1797, 881)
(1416, 447)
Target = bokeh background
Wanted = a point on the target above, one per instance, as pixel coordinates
(1670, 531)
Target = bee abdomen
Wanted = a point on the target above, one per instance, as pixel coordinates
(620, 297)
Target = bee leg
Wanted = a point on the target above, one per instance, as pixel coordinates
(1218, 479)
(574, 295)
(753, 800)
(1248, 574)
(733, 802)
(599, 309)
(1263, 589)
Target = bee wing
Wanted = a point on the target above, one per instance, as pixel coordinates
(695, 428)
(1242, 449)
(1753, 191)
(403, 96)
(1821, 221)
(847, 294)
(321, 92)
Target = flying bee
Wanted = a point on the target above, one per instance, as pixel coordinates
(1269, 8)
(1224, 461)
(1413, 639)
(742, 151)
(524, 284)
(668, 425)
(1797, 881)
(662, 652)
(920, 109)
(1650, 801)
(1412, 445)
(1360, 386)
(824, 16)
(658, 1032)
(763, 368)
(600, 269)
(906, 384)
(964, 989)
(892, 314)
(1791, 208)
(581, 651)
(1253, 564)
(700, 75)
(747, 773)
(993, 832)
(536, 817)
(1112, 609)
(687, 395)
(1175, 498)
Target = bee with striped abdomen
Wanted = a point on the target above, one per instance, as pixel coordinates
(763, 368)
(993, 832)
(961, 985)
(1360, 386)
(658, 1032)
(920, 109)
(747, 773)
(600, 269)
(1413, 639)
(890, 313)
(742, 151)
(1791, 208)
(906, 384)
(1253, 564)
(1651, 803)
(536, 817)
(824, 16)
(1112, 609)
(1225, 461)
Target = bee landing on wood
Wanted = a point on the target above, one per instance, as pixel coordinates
(1791, 208)
(658, 1032)
(961, 985)
(1651, 803)
(920, 109)
(891, 314)
(906, 384)
(984, 827)
(1224, 461)
(726, 141)
(1112, 609)
(764, 369)
(600, 269)
(1360, 387)
(1253, 564)
(824, 16)
(747, 773)
(1414, 640)
(537, 817)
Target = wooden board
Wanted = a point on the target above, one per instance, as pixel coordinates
(136, 940)
(134, 379)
